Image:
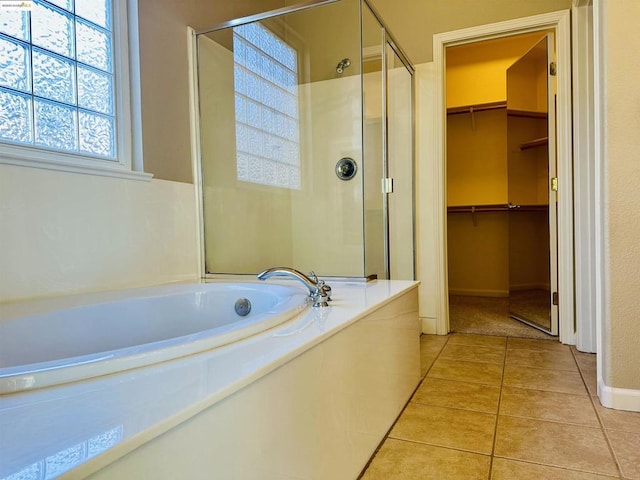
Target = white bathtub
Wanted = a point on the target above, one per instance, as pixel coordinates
(66, 341)
(309, 398)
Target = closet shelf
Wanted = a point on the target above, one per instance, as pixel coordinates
(526, 113)
(538, 142)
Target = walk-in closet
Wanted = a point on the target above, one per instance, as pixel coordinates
(501, 196)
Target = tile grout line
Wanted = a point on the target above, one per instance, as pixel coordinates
(444, 447)
(545, 420)
(600, 425)
(600, 421)
(495, 429)
(560, 467)
(448, 336)
(459, 409)
(546, 390)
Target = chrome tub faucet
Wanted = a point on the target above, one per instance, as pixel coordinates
(319, 291)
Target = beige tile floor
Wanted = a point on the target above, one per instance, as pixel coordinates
(497, 408)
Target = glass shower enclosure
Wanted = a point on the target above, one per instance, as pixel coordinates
(306, 143)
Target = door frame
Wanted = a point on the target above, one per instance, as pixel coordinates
(560, 23)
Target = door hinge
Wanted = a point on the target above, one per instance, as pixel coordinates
(554, 184)
(387, 185)
(552, 69)
(555, 298)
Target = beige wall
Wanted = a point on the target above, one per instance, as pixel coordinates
(485, 63)
(621, 327)
(413, 22)
(330, 33)
(477, 159)
(478, 254)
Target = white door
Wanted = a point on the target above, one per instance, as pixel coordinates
(532, 166)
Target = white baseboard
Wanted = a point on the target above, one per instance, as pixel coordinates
(429, 325)
(530, 286)
(619, 398)
(479, 293)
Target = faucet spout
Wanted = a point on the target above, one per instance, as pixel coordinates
(319, 292)
(310, 283)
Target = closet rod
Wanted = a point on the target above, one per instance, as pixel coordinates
(499, 207)
(476, 108)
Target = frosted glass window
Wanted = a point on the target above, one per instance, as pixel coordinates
(14, 65)
(15, 117)
(53, 77)
(52, 29)
(15, 23)
(57, 85)
(95, 90)
(65, 4)
(55, 125)
(267, 118)
(96, 134)
(96, 11)
(94, 46)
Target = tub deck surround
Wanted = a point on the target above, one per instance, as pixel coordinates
(88, 336)
(77, 429)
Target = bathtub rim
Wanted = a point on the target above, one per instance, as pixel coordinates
(16, 379)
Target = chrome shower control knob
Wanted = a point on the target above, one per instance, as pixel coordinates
(346, 168)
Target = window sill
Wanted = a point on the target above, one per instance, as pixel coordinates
(24, 157)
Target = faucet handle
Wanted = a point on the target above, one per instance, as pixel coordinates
(312, 275)
(320, 297)
(327, 289)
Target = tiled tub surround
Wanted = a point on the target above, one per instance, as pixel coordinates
(507, 409)
(311, 398)
(65, 233)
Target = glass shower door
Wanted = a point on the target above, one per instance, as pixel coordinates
(399, 145)
(375, 226)
(388, 154)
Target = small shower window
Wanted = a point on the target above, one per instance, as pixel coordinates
(267, 108)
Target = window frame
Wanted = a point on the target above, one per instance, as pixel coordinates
(127, 114)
